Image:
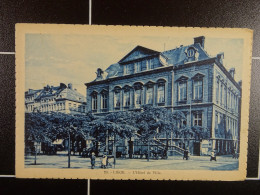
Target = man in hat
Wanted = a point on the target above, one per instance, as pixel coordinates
(92, 160)
(213, 155)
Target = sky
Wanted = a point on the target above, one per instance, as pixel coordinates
(51, 59)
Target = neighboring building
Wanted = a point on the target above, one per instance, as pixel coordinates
(62, 98)
(186, 79)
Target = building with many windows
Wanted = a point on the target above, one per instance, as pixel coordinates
(62, 98)
(186, 79)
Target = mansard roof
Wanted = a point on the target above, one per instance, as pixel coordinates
(178, 55)
(55, 92)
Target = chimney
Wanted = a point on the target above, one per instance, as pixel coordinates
(220, 57)
(62, 85)
(232, 72)
(240, 83)
(70, 86)
(30, 91)
(200, 40)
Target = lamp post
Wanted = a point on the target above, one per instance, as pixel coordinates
(69, 152)
(148, 149)
(35, 148)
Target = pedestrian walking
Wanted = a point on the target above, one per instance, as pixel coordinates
(104, 162)
(213, 155)
(93, 160)
(186, 154)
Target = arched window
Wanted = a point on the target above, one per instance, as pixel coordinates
(149, 92)
(93, 101)
(137, 67)
(126, 96)
(198, 87)
(161, 92)
(104, 100)
(182, 89)
(138, 87)
(117, 101)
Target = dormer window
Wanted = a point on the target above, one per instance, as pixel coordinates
(137, 67)
(191, 54)
(127, 69)
(149, 64)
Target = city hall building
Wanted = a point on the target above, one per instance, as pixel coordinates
(183, 79)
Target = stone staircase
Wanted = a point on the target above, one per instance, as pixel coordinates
(172, 150)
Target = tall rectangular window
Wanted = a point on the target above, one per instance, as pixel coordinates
(137, 67)
(224, 96)
(117, 100)
(182, 91)
(216, 120)
(94, 102)
(197, 90)
(149, 64)
(127, 69)
(138, 98)
(228, 99)
(221, 94)
(161, 93)
(231, 101)
(104, 101)
(149, 95)
(182, 122)
(126, 98)
(217, 92)
(197, 119)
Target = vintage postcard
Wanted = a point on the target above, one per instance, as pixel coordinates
(128, 102)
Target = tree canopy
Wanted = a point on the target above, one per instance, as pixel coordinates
(148, 123)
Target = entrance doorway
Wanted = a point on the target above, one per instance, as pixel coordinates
(196, 148)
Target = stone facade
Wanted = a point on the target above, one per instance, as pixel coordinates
(185, 79)
(62, 98)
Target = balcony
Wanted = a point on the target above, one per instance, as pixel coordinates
(161, 104)
(197, 100)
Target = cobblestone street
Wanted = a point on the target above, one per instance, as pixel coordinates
(172, 163)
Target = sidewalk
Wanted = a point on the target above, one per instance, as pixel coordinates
(172, 163)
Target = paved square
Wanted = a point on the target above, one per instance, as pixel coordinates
(172, 163)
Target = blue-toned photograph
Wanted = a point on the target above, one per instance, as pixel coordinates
(132, 102)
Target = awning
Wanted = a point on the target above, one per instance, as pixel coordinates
(57, 142)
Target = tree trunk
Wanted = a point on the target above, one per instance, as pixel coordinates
(69, 153)
(35, 154)
(107, 142)
(148, 150)
(114, 150)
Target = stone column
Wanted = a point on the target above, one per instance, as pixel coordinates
(121, 99)
(155, 93)
(98, 102)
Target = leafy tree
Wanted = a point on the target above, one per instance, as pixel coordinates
(42, 127)
(116, 125)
